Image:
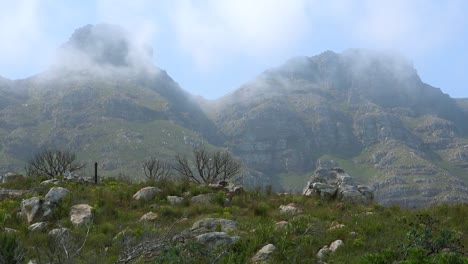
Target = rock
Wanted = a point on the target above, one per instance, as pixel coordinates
(52, 181)
(289, 209)
(147, 193)
(35, 209)
(149, 217)
(55, 194)
(60, 232)
(202, 198)
(323, 252)
(80, 214)
(10, 230)
(281, 224)
(326, 250)
(335, 245)
(335, 183)
(326, 191)
(37, 227)
(263, 254)
(213, 224)
(175, 200)
(336, 225)
(214, 240)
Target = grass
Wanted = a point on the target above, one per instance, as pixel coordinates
(371, 233)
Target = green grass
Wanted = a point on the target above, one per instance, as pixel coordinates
(381, 232)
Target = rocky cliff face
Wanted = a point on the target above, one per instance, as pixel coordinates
(368, 109)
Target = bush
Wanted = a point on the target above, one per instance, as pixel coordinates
(10, 249)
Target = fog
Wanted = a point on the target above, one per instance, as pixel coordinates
(212, 47)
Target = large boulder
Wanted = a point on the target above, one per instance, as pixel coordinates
(202, 198)
(35, 209)
(81, 214)
(335, 183)
(213, 224)
(55, 194)
(147, 193)
(215, 240)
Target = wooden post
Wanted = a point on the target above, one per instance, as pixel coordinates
(95, 172)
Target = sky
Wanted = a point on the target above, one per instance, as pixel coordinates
(212, 47)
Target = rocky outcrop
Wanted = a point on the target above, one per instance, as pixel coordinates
(146, 193)
(335, 183)
(81, 214)
(36, 209)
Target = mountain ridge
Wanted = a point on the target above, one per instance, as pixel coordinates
(332, 106)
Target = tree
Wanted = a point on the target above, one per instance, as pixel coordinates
(208, 167)
(156, 169)
(53, 163)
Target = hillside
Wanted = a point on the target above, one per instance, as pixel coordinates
(367, 111)
(117, 222)
(98, 102)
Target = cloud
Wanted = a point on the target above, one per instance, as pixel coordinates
(217, 31)
(24, 41)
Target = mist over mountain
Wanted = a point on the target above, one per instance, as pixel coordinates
(99, 101)
(366, 111)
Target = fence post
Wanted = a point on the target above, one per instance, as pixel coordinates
(95, 173)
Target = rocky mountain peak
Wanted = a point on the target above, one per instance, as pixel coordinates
(103, 45)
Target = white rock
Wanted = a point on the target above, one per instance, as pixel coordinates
(289, 209)
(147, 193)
(263, 254)
(36, 227)
(149, 217)
(55, 194)
(59, 232)
(175, 200)
(335, 245)
(81, 214)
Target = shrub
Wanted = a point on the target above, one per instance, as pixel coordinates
(10, 249)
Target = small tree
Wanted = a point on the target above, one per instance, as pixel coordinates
(208, 167)
(53, 163)
(156, 169)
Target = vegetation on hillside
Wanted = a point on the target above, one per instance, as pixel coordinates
(371, 233)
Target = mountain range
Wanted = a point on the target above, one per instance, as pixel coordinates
(365, 111)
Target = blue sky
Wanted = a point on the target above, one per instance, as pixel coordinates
(211, 47)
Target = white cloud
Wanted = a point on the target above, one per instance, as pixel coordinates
(24, 41)
(220, 30)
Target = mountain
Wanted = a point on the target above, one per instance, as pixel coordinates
(367, 111)
(97, 100)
